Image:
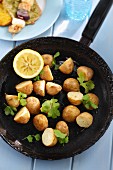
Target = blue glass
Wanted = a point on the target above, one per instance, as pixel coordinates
(78, 9)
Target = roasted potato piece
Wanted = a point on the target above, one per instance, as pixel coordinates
(25, 87)
(48, 137)
(94, 99)
(70, 113)
(87, 72)
(22, 116)
(63, 127)
(40, 122)
(33, 105)
(85, 119)
(75, 98)
(67, 67)
(46, 74)
(12, 100)
(5, 18)
(39, 87)
(48, 59)
(53, 88)
(71, 84)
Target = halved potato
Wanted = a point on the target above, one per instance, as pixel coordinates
(70, 113)
(48, 59)
(25, 87)
(53, 88)
(75, 98)
(46, 74)
(63, 127)
(87, 72)
(71, 84)
(40, 122)
(67, 67)
(33, 105)
(85, 119)
(12, 100)
(22, 116)
(48, 137)
(39, 87)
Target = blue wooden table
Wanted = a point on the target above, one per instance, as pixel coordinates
(100, 155)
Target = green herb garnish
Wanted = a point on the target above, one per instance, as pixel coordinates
(62, 138)
(56, 66)
(51, 108)
(37, 78)
(9, 110)
(22, 98)
(30, 138)
(88, 85)
(88, 103)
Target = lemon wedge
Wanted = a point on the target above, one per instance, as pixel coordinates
(28, 63)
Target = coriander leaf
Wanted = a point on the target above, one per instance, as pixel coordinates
(88, 103)
(9, 110)
(23, 102)
(56, 66)
(37, 78)
(57, 54)
(81, 77)
(29, 138)
(37, 137)
(62, 138)
(94, 106)
(90, 85)
(14, 109)
(51, 108)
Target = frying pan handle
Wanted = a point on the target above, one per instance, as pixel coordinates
(95, 21)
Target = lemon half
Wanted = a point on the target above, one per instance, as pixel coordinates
(28, 63)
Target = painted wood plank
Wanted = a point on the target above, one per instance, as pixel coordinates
(64, 164)
(98, 157)
(11, 159)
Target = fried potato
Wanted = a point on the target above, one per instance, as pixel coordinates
(75, 98)
(40, 122)
(12, 100)
(46, 74)
(67, 67)
(53, 88)
(63, 127)
(5, 18)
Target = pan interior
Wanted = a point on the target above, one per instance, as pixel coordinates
(80, 139)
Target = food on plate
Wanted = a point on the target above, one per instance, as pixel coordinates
(22, 116)
(85, 119)
(33, 105)
(53, 88)
(86, 71)
(40, 122)
(12, 100)
(63, 127)
(5, 18)
(46, 74)
(70, 113)
(75, 98)
(90, 101)
(48, 59)
(71, 84)
(28, 63)
(39, 87)
(25, 10)
(25, 87)
(48, 137)
(67, 66)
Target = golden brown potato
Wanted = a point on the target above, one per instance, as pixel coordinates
(48, 137)
(70, 113)
(33, 105)
(63, 127)
(71, 84)
(40, 122)
(25, 87)
(5, 18)
(12, 100)
(39, 87)
(75, 98)
(94, 99)
(22, 116)
(87, 72)
(85, 119)
(46, 74)
(53, 88)
(48, 59)
(67, 67)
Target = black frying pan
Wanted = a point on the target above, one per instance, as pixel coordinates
(80, 139)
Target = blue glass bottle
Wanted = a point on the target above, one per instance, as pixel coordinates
(78, 9)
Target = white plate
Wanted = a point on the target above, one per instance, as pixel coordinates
(51, 10)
